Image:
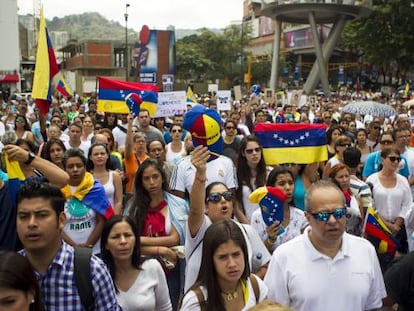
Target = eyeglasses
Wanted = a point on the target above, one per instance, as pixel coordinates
(215, 197)
(19, 121)
(394, 159)
(324, 216)
(376, 127)
(255, 150)
(386, 142)
(176, 131)
(345, 145)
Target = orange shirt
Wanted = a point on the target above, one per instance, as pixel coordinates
(131, 167)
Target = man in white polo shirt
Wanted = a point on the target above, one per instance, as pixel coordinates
(325, 268)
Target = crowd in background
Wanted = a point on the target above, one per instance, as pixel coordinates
(173, 211)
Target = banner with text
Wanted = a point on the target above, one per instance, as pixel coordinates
(171, 103)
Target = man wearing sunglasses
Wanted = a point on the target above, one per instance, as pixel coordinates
(326, 268)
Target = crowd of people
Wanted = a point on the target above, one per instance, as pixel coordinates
(169, 227)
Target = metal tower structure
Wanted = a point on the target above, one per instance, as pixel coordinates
(313, 12)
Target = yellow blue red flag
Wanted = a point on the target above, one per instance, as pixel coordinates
(190, 96)
(63, 88)
(113, 93)
(46, 68)
(377, 232)
(292, 143)
(406, 90)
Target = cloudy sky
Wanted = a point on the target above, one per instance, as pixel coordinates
(157, 14)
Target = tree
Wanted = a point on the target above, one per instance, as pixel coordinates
(385, 38)
(210, 55)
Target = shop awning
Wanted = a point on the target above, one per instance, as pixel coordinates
(9, 78)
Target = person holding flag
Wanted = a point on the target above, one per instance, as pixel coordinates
(87, 206)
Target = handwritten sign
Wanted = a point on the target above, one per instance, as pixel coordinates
(223, 100)
(171, 103)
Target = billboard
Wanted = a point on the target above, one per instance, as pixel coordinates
(300, 38)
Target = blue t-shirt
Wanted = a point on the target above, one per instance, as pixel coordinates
(373, 162)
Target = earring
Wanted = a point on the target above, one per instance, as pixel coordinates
(33, 301)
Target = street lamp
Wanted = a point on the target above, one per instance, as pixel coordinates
(126, 42)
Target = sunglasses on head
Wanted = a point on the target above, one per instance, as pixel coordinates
(250, 151)
(215, 197)
(324, 216)
(394, 159)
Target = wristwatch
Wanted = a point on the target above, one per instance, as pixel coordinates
(30, 158)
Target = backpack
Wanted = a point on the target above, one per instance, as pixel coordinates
(82, 273)
(202, 301)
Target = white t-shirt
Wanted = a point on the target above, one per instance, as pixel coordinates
(301, 277)
(220, 169)
(80, 222)
(258, 254)
(172, 157)
(191, 303)
(149, 291)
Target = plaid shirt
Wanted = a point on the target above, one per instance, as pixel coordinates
(58, 286)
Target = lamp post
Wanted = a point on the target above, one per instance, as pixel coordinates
(126, 42)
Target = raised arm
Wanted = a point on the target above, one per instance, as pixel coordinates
(52, 172)
(199, 159)
(129, 142)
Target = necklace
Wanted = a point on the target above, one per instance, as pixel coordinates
(230, 296)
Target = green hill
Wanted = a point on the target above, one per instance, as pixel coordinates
(90, 26)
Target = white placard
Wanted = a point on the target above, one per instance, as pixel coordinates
(223, 100)
(171, 103)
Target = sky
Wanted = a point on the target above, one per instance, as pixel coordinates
(157, 14)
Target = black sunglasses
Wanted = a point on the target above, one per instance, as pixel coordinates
(176, 131)
(324, 216)
(250, 151)
(386, 142)
(394, 159)
(215, 197)
(345, 145)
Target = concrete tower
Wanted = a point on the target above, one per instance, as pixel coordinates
(313, 12)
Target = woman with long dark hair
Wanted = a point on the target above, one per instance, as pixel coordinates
(140, 285)
(224, 281)
(251, 173)
(392, 195)
(19, 289)
(160, 218)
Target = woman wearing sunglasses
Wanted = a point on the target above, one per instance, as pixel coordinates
(341, 143)
(207, 206)
(175, 150)
(294, 221)
(251, 173)
(392, 195)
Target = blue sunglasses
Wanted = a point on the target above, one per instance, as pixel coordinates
(324, 216)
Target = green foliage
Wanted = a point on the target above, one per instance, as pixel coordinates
(385, 37)
(90, 26)
(211, 55)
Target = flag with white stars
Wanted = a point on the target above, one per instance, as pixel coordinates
(112, 96)
(292, 143)
(270, 200)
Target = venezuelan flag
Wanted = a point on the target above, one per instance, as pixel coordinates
(112, 95)
(46, 68)
(378, 234)
(63, 88)
(14, 174)
(96, 199)
(190, 96)
(406, 90)
(292, 143)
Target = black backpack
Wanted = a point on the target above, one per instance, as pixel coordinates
(82, 272)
